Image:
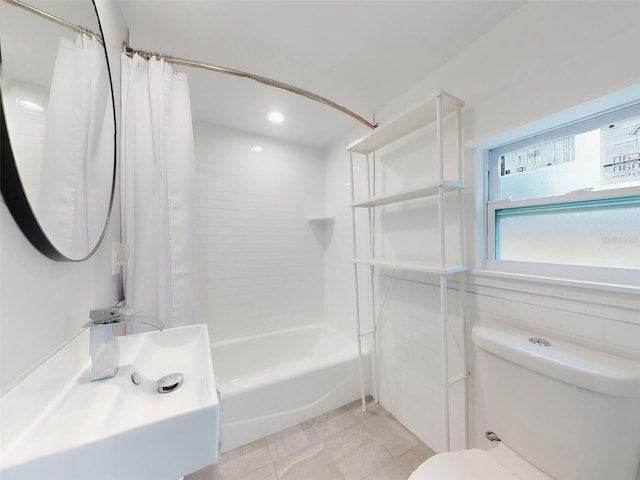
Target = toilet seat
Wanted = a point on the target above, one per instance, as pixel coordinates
(499, 463)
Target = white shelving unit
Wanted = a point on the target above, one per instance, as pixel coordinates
(433, 110)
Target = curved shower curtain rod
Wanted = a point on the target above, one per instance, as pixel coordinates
(238, 73)
(60, 21)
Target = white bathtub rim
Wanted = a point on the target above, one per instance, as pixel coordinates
(304, 366)
(273, 333)
(244, 384)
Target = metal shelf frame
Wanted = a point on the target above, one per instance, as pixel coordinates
(436, 107)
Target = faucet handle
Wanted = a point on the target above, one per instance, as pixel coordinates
(113, 314)
(105, 315)
(121, 314)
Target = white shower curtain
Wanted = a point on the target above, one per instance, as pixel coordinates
(77, 156)
(157, 182)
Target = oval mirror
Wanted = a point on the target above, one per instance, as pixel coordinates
(58, 129)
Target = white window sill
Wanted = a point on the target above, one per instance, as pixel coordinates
(612, 294)
(612, 287)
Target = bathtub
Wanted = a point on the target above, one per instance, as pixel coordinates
(271, 381)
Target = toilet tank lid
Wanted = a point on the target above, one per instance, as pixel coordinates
(573, 364)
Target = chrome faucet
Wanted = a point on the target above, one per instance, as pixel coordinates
(103, 346)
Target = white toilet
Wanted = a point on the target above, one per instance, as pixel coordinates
(562, 412)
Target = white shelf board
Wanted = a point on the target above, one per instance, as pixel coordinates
(425, 191)
(321, 219)
(405, 123)
(414, 265)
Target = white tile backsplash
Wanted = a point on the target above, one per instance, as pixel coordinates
(622, 334)
(483, 303)
(522, 312)
(574, 323)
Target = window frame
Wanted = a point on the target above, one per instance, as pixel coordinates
(593, 114)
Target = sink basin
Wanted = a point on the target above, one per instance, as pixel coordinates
(57, 424)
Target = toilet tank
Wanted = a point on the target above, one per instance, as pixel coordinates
(572, 412)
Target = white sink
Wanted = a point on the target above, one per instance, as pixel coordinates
(56, 424)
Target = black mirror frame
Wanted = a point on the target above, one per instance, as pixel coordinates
(13, 191)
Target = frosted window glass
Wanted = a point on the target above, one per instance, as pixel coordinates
(596, 233)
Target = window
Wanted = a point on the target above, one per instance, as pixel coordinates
(569, 197)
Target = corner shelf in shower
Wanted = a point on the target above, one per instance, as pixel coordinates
(432, 111)
(321, 220)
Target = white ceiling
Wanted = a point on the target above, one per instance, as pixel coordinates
(360, 54)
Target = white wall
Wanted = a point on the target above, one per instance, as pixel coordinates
(43, 303)
(260, 262)
(546, 57)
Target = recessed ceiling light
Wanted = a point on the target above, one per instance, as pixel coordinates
(257, 149)
(276, 117)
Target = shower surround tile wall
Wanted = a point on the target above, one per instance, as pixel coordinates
(511, 76)
(261, 263)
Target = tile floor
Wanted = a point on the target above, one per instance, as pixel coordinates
(345, 444)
